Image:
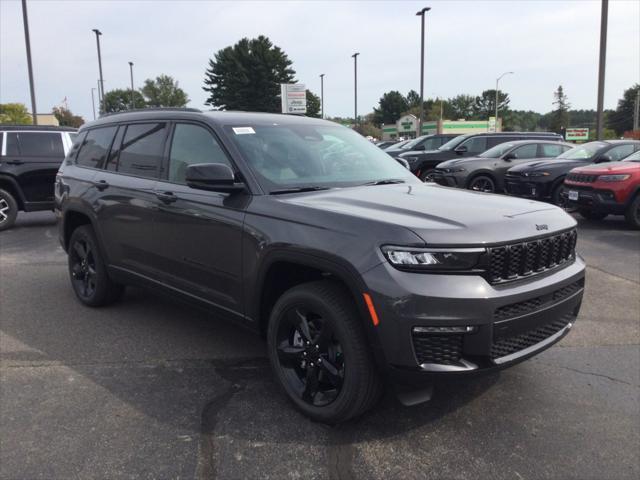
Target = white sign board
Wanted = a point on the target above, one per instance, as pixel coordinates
(492, 124)
(294, 97)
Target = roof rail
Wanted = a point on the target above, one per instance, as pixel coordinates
(153, 109)
(35, 128)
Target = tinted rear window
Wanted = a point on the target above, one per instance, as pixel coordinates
(142, 149)
(95, 147)
(35, 144)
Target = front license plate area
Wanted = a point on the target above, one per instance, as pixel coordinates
(573, 195)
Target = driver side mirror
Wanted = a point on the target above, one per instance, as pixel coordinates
(510, 156)
(461, 149)
(214, 177)
(604, 158)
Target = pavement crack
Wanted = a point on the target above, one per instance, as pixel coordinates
(593, 374)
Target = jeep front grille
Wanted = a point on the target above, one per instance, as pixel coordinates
(582, 178)
(509, 345)
(510, 262)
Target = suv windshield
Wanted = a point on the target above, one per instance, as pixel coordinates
(451, 144)
(413, 143)
(581, 152)
(302, 156)
(498, 150)
(634, 157)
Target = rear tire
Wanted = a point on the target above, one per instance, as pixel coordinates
(557, 196)
(88, 272)
(319, 353)
(8, 210)
(632, 215)
(591, 214)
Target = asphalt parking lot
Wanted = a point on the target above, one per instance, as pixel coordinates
(149, 388)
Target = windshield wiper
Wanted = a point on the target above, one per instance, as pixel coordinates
(388, 181)
(297, 190)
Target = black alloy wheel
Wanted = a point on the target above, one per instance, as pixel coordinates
(428, 175)
(310, 356)
(87, 271)
(8, 210)
(482, 183)
(632, 215)
(320, 354)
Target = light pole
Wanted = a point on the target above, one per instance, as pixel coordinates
(98, 33)
(93, 103)
(498, 80)
(604, 13)
(421, 15)
(27, 42)
(355, 87)
(131, 70)
(322, 95)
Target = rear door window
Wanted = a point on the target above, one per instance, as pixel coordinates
(548, 150)
(142, 149)
(35, 144)
(527, 151)
(476, 144)
(95, 147)
(619, 152)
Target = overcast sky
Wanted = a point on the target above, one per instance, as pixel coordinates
(468, 44)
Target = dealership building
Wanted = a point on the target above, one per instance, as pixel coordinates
(407, 127)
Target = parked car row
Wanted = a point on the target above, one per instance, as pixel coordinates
(539, 167)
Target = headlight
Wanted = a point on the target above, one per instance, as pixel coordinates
(454, 170)
(613, 178)
(536, 174)
(429, 259)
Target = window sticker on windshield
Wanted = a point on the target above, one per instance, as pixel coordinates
(243, 130)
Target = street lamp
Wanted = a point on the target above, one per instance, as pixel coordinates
(98, 33)
(421, 15)
(322, 95)
(27, 42)
(497, 80)
(93, 103)
(131, 70)
(355, 87)
(604, 14)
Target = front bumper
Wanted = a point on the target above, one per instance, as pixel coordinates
(507, 323)
(594, 199)
(521, 187)
(447, 179)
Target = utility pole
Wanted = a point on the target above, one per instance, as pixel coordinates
(131, 70)
(497, 99)
(322, 95)
(98, 33)
(355, 87)
(421, 14)
(636, 112)
(93, 103)
(604, 13)
(27, 42)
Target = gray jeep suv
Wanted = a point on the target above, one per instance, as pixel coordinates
(299, 229)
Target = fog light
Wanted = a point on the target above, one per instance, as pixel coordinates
(441, 330)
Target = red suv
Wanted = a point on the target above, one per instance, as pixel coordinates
(601, 189)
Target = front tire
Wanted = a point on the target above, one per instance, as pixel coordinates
(427, 175)
(88, 272)
(8, 210)
(482, 183)
(319, 353)
(632, 215)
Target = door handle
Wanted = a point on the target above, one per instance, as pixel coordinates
(101, 185)
(166, 197)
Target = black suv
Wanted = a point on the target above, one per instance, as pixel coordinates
(303, 231)
(421, 144)
(423, 163)
(29, 159)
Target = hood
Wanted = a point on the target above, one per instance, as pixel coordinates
(440, 215)
(613, 167)
(420, 152)
(461, 161)
(547, 164)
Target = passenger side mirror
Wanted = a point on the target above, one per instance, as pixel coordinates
(461, 149)
(215, 177)
(510, 156)
(604, 158)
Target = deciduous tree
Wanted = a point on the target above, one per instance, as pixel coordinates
(390, 108)
(15, 113)
(622, 119)
(119, 100)
(66, 118)
(164, 92)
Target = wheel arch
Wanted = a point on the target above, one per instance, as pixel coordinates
(482, 173)
(11, 185)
